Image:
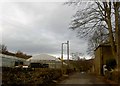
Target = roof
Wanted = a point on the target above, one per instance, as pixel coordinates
(103, 45)
(11, 57)
(43, 57)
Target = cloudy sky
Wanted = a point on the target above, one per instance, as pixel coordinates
(38, 27)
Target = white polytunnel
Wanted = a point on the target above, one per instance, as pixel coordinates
(52, 61)
(43, 57)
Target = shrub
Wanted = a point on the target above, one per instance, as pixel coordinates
(114, 76)
(20, 76)
(68, 71)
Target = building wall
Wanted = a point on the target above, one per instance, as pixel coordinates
(102, 53)
(9, 61)
(6, 62)
(52, 64)
(97, 60)
(107, 53)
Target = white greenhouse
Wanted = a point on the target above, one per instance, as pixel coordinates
(52, 61)
(9, 61)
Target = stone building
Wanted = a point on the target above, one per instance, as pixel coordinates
(102, 53)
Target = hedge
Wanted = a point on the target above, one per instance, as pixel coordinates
(13, 76)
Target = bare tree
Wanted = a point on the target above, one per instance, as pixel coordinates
(100, 36)
(90, 24)
(77, 55)
(96, 14)
(3, 48)
(117, 30)
(118, 47)
(22, 55)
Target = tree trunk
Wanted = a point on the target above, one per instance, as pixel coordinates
(108, 21)
(111, 38)
(118, 47)
(117, 31)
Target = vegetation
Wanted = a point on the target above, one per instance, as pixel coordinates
(19, 76)
(113, 76)
(4, 50)
(22, 55)
(98, 22)
(82, 65)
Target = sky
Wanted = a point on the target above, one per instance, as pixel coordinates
(38, 27)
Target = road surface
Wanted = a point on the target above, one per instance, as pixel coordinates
(84, 79)
(0, 76)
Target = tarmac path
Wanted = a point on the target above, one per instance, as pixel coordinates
(84, 79)
(0, 76)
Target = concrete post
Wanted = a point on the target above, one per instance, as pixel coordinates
(68, 53)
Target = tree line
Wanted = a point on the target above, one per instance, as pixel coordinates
(20, 54)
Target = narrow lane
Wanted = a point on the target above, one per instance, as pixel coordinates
(0, 76)
(84, 79)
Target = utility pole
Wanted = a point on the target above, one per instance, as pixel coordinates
(68, 53)
(62, 52)
(62, 56)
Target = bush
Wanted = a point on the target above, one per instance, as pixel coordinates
(114, 76)
(68, 71)
(19, 76)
